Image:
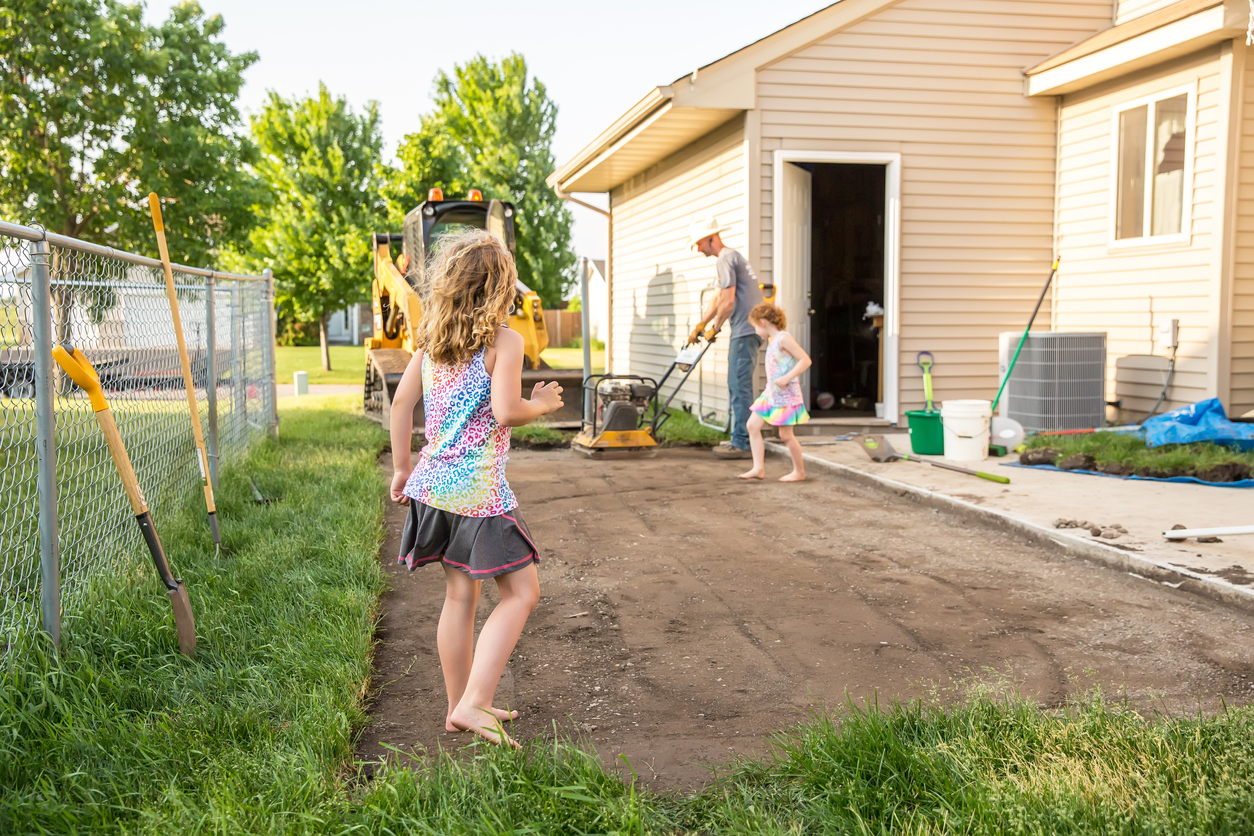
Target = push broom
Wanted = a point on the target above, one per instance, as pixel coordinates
(201, 458)
(82, 373)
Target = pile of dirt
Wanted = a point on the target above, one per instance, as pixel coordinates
(1220, 473)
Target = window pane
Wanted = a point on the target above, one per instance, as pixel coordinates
(1130, 211)
(1168, 210)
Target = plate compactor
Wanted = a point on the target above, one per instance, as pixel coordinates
(621, 411)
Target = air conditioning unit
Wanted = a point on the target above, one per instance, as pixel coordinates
(1059, 382)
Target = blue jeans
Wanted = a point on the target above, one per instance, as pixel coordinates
(742, 360)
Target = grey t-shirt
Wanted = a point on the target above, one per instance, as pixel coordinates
(734, 270)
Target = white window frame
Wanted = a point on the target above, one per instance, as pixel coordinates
(1185, 235)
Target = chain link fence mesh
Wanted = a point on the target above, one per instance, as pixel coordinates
(117, 313)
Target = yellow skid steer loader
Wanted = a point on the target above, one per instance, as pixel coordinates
(396, 297)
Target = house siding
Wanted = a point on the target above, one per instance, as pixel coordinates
(1242, 368)
(1127, 293)
(1130, 9)
(658, 280)
(941, 82)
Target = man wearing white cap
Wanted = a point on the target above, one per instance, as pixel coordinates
(738, 293)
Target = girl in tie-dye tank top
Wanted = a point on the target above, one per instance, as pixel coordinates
(781, 403)
(462, 513)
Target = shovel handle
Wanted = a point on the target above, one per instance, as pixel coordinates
(992, 477)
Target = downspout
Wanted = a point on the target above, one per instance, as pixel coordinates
(609, 269)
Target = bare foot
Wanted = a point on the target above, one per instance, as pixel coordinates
(755, 473)
(482, 722)
(499, 713)
(795, 476)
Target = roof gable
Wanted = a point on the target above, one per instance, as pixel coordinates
(667, 118)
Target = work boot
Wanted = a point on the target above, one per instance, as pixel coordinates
(725, 450)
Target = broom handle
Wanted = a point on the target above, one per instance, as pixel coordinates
(201, 458)
(1024, 338)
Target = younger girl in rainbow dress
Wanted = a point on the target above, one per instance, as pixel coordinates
(780, 404)
(462, 513)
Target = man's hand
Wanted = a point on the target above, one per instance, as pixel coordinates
(548, 396)
(696, 334)
(711, 333)
(399, 479)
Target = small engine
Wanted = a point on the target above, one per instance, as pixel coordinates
(622, 403)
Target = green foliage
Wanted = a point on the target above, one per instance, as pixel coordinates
(320, 162)
(349, 362)
(98, 108)
(683, 429)
(1109, 447)
(123, 733)
(492, 129)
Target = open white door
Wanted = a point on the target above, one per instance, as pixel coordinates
(792, 256)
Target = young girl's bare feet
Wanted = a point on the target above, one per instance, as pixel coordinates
(499, 713)
(795, 476)
(755, 473)
(482, 722)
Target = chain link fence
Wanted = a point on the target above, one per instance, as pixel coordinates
(64, 519)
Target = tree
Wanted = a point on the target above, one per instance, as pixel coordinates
(97, 109)
(492, 129)
(321, 163)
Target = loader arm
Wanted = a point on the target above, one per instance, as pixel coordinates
(396, 306)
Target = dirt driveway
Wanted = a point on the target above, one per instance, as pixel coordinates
(686, 615)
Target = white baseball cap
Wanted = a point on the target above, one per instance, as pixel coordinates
(702, 228)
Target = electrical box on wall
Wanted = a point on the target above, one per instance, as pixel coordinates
(1169, 333)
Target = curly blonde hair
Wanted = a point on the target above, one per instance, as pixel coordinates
(471, 287)
(766, 312)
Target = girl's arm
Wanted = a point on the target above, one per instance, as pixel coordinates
(408, 393)
(508, 406)
(789, 346)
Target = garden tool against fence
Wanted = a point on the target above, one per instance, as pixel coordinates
(202, 459)
(1007, 432)
(878, 448)
(622, 412)
(81, 372)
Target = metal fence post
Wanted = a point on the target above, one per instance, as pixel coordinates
(211, 378)
(271, 334)
(45, 444)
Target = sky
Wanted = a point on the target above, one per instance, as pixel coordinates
(596, 58)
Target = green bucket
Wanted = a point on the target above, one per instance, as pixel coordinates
(926, 436)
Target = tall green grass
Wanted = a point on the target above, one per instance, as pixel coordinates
(121, 734)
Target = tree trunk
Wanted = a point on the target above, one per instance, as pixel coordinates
(322, 340)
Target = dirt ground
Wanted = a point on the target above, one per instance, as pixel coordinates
(685, 615)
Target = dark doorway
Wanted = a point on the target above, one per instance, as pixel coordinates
(846, 274)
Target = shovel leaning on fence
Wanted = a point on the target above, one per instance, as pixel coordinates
(202, 458)
(82, 373)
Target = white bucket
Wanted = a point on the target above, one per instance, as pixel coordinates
(965, 424)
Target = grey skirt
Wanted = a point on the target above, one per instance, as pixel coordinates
(482, 547)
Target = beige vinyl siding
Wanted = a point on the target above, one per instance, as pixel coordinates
(1127, 292)
(1130, 9)
(658, 281)
(1242, 369)
(941, 82)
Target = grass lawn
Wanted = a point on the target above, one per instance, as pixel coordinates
(572, 358)
(1124, 449)
(123, 735)
(348, 364)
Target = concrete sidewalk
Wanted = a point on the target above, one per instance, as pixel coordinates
(1035, 499)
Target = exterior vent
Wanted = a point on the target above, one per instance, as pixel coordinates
(1059, 382)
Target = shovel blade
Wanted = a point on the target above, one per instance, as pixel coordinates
(878, 448)
(184, 623)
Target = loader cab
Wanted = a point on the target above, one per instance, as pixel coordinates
(436, 217)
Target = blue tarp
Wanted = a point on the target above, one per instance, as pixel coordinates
(1244, 483)
(1202, 421)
